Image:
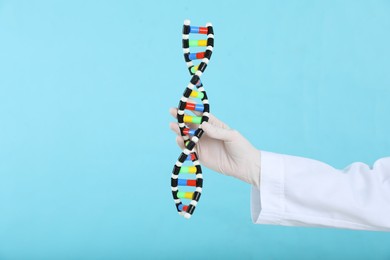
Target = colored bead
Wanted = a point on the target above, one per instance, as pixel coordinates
(195, 107)
(199, 107)
(200, 55)
(194, 29)
(194, 69)
(203, 30)
(197, 43)
(191, 182)
(196, 56)
(180, 207)
(192, 119)
(185, 195)
(187, 119)
(192, 43)
(182, 182)
(192, 56)
(185, 208)
(189, 131)
(190, 106)
(197, 29)
(191, 157)
(203, 43)
(196, 94)
(188, 169)
(185, 182)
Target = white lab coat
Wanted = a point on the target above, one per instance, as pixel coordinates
(296, 191)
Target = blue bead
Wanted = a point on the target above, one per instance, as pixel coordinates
(181, 182)
(199, 107)
(194, 29)
(180, 207)
(192, 56)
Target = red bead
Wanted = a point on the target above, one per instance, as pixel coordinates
(191, 182)
(203, 30)
(185, 208)
(200, 55)
(186, 131)
(190, 106)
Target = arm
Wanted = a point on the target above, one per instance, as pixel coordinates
(296, 191)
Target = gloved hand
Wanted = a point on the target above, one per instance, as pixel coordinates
(224, 150)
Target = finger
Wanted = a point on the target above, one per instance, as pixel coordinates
(173, 112)
(180, 142)
(216, 122)
(175, 128)
(218, 132)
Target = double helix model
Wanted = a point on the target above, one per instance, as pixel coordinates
(190, 125)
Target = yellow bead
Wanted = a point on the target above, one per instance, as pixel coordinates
(187, 119)
(192, 169)
(188, 195)
(202, 43)
(194, 94)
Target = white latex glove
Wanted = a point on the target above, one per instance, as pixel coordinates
(224, 150)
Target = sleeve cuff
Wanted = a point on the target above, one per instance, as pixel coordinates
(267, 203)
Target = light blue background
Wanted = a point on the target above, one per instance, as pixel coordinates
(85, 149)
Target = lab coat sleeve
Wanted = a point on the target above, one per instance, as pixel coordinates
(296, 191)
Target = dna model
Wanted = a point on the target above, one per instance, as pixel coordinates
(187, 162)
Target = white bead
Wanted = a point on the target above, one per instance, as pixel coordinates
(198, 73)
(179, 164)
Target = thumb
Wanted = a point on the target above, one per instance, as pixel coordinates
(218, 132)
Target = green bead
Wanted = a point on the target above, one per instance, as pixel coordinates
(193, 43)
(184, 169)
(180, 194)
(196, 119)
